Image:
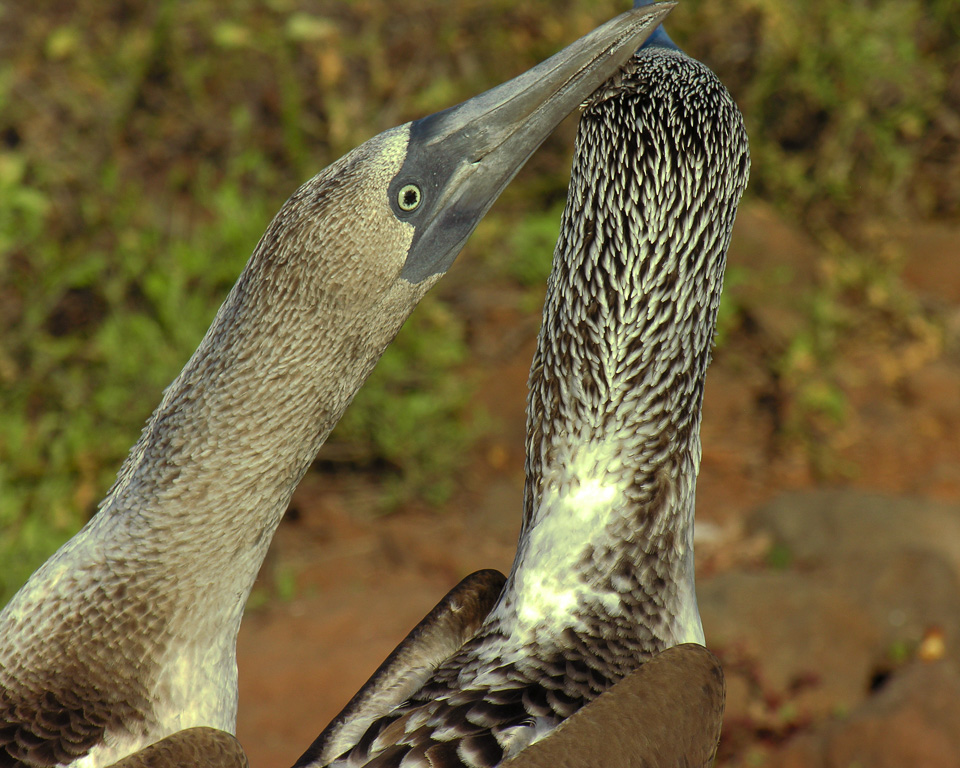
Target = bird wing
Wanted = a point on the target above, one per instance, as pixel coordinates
(191, 748)
(57, 719)
(441, 633)
(667, 712)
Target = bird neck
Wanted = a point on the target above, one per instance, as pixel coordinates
(613, 452)
(616, 386)
(217, 464)
(309, 317)
(158, 579)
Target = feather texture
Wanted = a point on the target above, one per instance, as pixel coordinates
(191, 748)
(127, 634)
(603, 578)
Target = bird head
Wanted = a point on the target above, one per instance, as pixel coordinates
(394, 213)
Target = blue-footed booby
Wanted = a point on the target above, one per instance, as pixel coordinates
(127, 634)
(603, 578)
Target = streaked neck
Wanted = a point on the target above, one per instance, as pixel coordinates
(616, 386)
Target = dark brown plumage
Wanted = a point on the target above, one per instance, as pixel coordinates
(666, 714)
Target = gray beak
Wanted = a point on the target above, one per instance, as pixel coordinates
(461, 159)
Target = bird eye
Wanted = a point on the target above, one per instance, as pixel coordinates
(409, 197)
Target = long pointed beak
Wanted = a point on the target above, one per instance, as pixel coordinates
(463, 157)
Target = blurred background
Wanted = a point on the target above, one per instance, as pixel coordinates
(144, 148)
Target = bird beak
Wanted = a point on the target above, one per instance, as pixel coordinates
(463, 157)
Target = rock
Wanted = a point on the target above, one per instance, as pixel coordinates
(865, 579)
(912, 721)
(823, 525)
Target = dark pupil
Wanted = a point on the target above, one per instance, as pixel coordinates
(410, 197)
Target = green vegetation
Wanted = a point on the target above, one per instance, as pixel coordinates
(143, 149)
(779, 557)
(848, 106)
(410, 411)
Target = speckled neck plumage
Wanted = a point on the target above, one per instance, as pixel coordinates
(133, 623)
(616, 384)
(603, 576)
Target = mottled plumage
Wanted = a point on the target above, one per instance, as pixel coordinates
(665, 714)
(190, 748)
(128, 633)
(440, 634)
(603, 578)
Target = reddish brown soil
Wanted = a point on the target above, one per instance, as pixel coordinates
(362, 580)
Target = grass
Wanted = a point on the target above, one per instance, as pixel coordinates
(411, 412)
(144, 148)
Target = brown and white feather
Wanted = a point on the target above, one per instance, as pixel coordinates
(603, 578)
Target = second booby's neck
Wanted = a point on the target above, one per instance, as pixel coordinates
(613, 453)
(616, 386)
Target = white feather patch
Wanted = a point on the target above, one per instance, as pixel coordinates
(573, 512)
